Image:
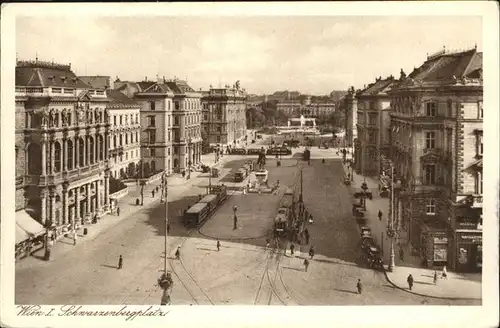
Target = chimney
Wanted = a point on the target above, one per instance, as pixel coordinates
(146, 79)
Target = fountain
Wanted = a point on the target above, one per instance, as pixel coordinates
(306, 125)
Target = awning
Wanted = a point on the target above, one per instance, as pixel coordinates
(27, 227)
(476, 165)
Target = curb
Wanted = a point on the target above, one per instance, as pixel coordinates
(429, 296)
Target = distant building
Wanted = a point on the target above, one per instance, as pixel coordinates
(62, 169)
(224, 115)
(350, 106)
(437, 150)
(373, 125)
(290, 108)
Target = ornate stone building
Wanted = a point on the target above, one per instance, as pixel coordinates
(124, 137)
(437, 149)
(62, 129)
(224, 115)
(350, 106)
(372, 126)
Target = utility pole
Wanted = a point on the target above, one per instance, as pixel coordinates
(165, 281)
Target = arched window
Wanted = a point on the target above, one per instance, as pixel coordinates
(34, 159)
(69, 156)
(101, 148)
(57, 157)
(81, 152)
(91, 146)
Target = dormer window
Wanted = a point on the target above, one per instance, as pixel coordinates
(431, 109)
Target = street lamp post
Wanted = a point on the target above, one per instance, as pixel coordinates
(390, 230)
(165, 281)
(189, 155)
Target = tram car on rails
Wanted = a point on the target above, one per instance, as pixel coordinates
(240, 175)
(281, 221)
(196, 214)
(221, 192)
(211, 200)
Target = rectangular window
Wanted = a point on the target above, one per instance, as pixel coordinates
(56, 90)
(114, 120)
(121, 120)
(430, 174)
(151, 121)
(480, 145)
(153, 152)
(430, 208)
(480, 109)
(430, 140)
(177, 105)
(431, 109)
(152, 136)
(478, 184)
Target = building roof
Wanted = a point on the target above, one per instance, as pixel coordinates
(179, 86)
(449, 65)
(97, 82)
(46, 74)
(379, 88)
(119, 100)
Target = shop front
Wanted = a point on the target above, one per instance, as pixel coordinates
(468, 250)
(434, 241)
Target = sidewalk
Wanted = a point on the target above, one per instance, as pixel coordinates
(457, 286)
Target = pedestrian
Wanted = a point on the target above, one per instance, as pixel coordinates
(267, 243)
(435, 277)
(292, 248)
(410, 281)
(311, 221)
(359, 286)
(444, 274)
(183, 174)
(168, 228)
(153, 193)
(218, 245)
(401, 255)
(306, 264)
(120, 262)
(307, 238)
(311, 252)
(118, 211)
(380, 215)
(178, 253)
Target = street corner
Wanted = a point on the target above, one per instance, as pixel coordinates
(454, 287)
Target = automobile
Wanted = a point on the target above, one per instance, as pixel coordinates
(361, 194)
(366, 234)
(365, 229)
(347, 181)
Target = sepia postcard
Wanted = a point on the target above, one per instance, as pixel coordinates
(250, 164)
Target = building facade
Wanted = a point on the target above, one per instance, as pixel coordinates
(319, 109)
(350, 106)
(62, 129)
(186, 128)
(372, 126)
(224, 115)
(124, 135)
(437, 148)
(290, 108)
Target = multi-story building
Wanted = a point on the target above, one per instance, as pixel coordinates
(124, 137)
(436, 134)
(156, 101)
(62, 128)
(373, 126)
(224, 115)
(321, 109)
(290, 108)
(186, 128)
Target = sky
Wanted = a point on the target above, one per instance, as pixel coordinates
(313, 55)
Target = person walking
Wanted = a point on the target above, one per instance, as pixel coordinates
(120, 262)
(444, 274)
(311, 221)
(435, 277)
(311, 252)
(118, 211)
(292, 248)
(178, 253)
(401, 255)
(218, 245)
(153, 193)
(410, 281)
(306, 264)
(380, 215)
(359, 286)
